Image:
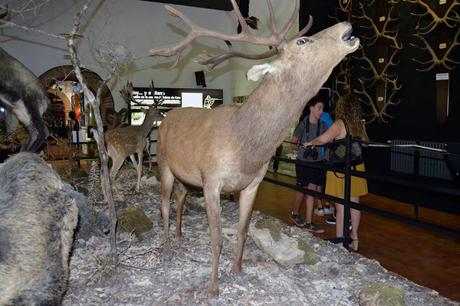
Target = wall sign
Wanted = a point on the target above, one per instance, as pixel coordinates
(169, 98)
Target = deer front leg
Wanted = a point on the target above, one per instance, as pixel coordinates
(246, 202)
(180, 191)
(212, 197)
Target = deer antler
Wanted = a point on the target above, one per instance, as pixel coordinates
(156, 101)
(446, 19)
(342, 78)
(379, 114)
(435, 60)
(345, 5)
(276, 39)
(384, 32)
(127, 93)
(382, 75)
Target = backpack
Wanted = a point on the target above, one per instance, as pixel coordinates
(336, 152)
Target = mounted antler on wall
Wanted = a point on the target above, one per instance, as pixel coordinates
(381, 28)
(439, 35)
(379, 86)
(444, 22)
(342, 73)
(444, 13)
(436, 60)
(379, 71)
(379, 113)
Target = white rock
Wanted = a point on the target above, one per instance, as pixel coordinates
(285, 251)
(151, 181)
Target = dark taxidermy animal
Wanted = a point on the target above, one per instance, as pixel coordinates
(22, 94)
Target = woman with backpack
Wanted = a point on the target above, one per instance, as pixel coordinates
(348, 121)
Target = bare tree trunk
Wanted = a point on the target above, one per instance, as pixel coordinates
(99, 132)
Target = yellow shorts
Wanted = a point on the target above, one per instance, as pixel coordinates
(335, 184)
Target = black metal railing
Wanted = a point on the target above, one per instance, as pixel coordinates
(348, 172)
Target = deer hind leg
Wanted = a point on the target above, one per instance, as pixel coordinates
(180, 192)
(246, 202)
(212, 197)
(139, 168)
(167, 182)
(147, 149)
(133, 160)
(117, 162)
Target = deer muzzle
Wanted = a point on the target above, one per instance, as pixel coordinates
(351, 41)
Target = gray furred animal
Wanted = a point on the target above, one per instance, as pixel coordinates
(22, 94)
(38, 216)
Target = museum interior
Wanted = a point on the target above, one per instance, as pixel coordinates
(111, 79)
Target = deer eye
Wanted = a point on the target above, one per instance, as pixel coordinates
(303, 40)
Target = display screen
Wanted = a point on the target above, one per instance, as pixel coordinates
(192, 99)
(137, 118)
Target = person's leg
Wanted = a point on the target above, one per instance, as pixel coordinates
(328, 210)
(319, 210)
(339, 220)
(299, 196)
(355, 219)
(309, 201)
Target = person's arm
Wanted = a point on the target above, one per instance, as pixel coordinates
(331, 133)
(295, 142)
(365, 137)
(297, 135)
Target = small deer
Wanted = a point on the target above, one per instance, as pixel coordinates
(227, 149)
(22, 94)
(125, 141)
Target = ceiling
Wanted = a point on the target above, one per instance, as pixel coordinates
(223, 5)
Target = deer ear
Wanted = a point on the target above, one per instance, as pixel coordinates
(258, 71)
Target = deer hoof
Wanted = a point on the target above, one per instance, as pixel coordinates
(213, 290)
(167, 250)
(177, 243)
(236, 269)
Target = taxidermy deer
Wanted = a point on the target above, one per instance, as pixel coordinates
(228, 149)
(22, 94)
(125, 141)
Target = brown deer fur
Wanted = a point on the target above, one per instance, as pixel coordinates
(228, 148)
(125, 141)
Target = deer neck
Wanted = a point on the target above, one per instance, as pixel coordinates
(147, 125)
(261, 124)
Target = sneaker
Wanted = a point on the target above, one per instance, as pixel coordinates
(297, 220)
(319, 211)
(312, 228)
(328, 210)
(330, 220)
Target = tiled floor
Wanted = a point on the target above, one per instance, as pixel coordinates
(425, 257)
